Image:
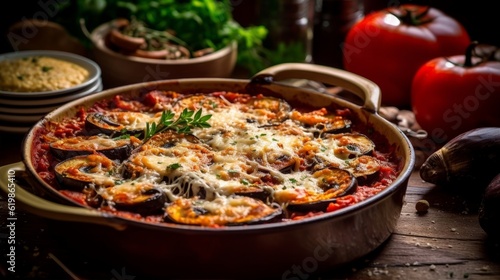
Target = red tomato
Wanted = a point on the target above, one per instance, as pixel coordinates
(456, 94)
(388, 47)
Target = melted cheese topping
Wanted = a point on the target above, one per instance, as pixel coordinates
(243, 151)
(92, 143)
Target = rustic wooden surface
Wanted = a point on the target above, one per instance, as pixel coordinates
(444, 243)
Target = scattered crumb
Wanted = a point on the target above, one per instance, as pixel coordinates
(432, 267)
(453, 229)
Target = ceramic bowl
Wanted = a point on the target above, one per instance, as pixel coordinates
(119, 69)
(20, 110)
(92, 67)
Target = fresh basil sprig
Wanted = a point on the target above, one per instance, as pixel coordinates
(187, 120)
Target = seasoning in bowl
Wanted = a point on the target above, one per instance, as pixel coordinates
(40, 73)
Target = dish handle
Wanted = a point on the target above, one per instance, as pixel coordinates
(367, 90)
(45, 208)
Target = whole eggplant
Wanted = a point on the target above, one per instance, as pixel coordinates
(470, 159)
(489, 210)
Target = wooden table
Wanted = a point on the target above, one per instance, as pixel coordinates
(445, 243)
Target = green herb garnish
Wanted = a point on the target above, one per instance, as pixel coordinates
(186, 121)
(174, 166)
(244, 182)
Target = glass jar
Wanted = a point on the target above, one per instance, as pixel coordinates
(290, 26)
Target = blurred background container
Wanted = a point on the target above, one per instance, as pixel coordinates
(332, 21)
(290, 25)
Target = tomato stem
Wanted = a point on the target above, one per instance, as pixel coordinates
(468, 54)
(412, 16)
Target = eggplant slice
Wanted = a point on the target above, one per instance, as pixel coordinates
(81, 171)
(117, 123)
(276, 110)
(363, 166)
(349, 145)
(167, 160)
(322, 121)
(134, 196)
(222, 211)
(83, 145)
(332, 183)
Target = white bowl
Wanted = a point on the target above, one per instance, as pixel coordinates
(91, 66)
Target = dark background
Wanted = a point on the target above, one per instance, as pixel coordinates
(480, 17)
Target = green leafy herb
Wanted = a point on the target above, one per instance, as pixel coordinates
(122, 136)
(244, 182)
(186, 121)
(174, 166)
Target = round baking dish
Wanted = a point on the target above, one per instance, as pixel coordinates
(277, 250)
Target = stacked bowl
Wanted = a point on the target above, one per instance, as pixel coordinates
(33, 83)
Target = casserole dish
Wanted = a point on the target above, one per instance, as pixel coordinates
(293, 249)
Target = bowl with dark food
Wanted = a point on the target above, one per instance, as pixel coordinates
(128, 53)
(236, 178)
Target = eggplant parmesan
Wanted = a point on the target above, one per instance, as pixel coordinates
(218, 159)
